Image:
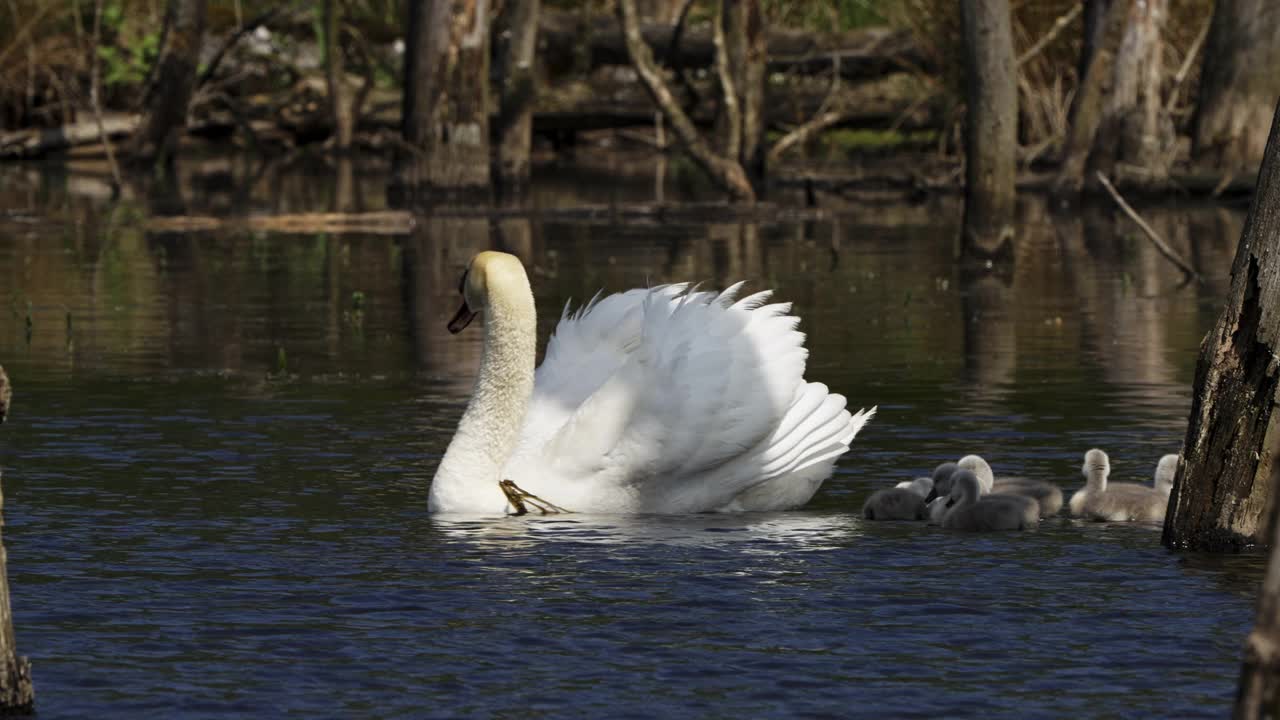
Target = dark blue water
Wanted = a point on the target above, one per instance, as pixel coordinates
(216, 475)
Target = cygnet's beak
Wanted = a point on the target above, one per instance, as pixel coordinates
(933, 495)
(461, 319)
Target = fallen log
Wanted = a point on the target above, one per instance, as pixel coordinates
(862, 54)
(34, 142)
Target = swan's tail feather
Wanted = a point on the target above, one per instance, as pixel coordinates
(820, 434)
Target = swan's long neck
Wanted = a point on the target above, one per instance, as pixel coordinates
(467, 480)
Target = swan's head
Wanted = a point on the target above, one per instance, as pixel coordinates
(941, 481)
(1165, 470)
(966, 488)
(6, 395)
(490, 275)
(1096, 463)
(979, 467)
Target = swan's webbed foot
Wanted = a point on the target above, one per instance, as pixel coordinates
(519, 498)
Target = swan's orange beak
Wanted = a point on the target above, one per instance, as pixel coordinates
(461, 319)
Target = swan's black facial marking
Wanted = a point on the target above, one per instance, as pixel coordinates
(465, 314)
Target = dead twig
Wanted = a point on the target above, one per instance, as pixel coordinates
(1058, 26)
(733, 145)
(1147, 229)
(1185, 68)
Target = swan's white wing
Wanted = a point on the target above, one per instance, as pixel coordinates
(587, 348)
(709, 402)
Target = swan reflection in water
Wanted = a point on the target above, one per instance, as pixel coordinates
(767, 533)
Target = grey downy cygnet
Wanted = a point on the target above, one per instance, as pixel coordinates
(969, 509)
(1048, 496)
(894, 503)
(936, 502)
(1115, 502)
(921, 486)
(1165, 470)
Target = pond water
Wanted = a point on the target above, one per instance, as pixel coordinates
(217, 467)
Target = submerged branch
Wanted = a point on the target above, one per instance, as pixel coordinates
(1150, 232)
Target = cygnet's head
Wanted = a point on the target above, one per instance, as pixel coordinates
(979, 467)
(1096, 463)
(941, 481)
(1165, 470)
(489, 275)
(965, 488)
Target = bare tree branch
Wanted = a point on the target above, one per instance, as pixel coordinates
(95, 83)
(1147, 229)
(733, 113)
(727, 172)
(1058, 26)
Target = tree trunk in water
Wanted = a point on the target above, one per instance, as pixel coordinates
(1095, 83)
(1258, 695)
(165, 114)
(743, 27)
(335, 78)
(1135, 135)
(445, 114)
(17, 695)
(991, 129)
(1221, 496)
(519, 90)
(1238, 84)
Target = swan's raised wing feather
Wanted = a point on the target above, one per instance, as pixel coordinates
(706, 386)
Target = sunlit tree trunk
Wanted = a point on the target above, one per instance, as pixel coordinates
(445, 112)
(1239, 83)
(1134, 130)
(1221, 497)
(165, 111)
(519, 90)
(991, 129)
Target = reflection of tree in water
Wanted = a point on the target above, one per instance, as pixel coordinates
(990, 332)
(435, 256)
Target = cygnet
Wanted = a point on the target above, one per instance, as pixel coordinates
(1165, 470)
(1047, 495)
(894, 504)
(969, 509)
(1115, 502)
(921, 486)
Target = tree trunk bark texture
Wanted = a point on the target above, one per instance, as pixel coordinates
(1239, 84)
(1221, 497)
(726, 172)
(1098, 59)
(991, 129)
(445, 116)
(519, 91)
(1258, 695)
(17, 694)
(166, 113)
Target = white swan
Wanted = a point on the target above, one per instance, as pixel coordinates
(663, 400)
(1116, 502)
(1166, 469)
(969, 509)
(1047, 495)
